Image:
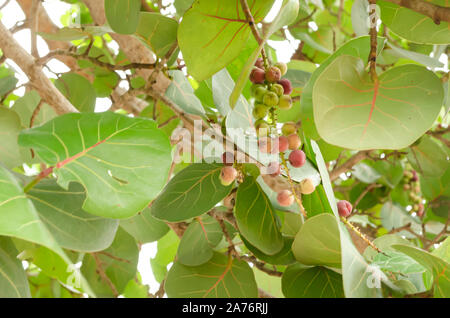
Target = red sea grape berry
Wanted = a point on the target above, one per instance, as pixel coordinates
(414, 177)
(420, 210)
(285, 198)
(260, 111)
(228, 158)
(286, 85)
(257, 76)
(228, 175)
(283, 143)
(273, 74)
(297, 158)
(344, 208)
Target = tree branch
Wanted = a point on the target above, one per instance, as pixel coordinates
(12, 49)
(346, 166)
(433, 11)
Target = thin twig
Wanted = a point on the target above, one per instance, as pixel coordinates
(373, 40)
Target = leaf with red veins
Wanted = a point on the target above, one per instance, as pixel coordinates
(214, 32)
(353, 112)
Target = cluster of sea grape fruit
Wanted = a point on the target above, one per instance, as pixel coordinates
(271, 92)
(411, 183)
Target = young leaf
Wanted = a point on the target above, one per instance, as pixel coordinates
(353, 112)
(122, 162)
(256, 218)
(221, 277)
(192, 192)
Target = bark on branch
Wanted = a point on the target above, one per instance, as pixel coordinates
(12, 49)
(433, 11)
(346, 166)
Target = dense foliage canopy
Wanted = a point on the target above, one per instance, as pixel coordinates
(326, 176)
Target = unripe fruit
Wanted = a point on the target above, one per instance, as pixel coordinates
(274, 169)
(289, 128)
(259, 93)
(297, 158)
(228, 175)
(259, 63)
(417, 189)
(282, 67)
(285, 198)
(344, 208)
(307, 186)
(262, 128)
(286, 85)
(285, 102)
(294, 141)
(254, 87)
(277, 89)
(273, 74)
(260, 111)
(408, 174)
(270, 99)
(283, 143)
(406, 187)
(257, 76)
(420, 210)
(228, 158)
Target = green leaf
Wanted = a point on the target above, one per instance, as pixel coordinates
(437, 266)
(287, 14)
(144, 227)
(360, 17)
(70, 34)
(358, 47)
(299, 281)
(19, 218)
(221, 277)
(13, 279)
(11, 155)
(182, 94)
(78, 90)
(385, 244)
(365, 173)
(283, 257)
(222, 86)
(414, 26)
(122, 162)
(214, 32)
(256, 218)
(411, 55)
(7, 84)
(317, 242)
(135, 290)
(158, 32)
(397, 262)
(428, 157)
(25, 107)
(357, 275)
(394, 216)
(192, 192)
(443, 251)
(118, 262)
(269, 284)
(352, 112)
(72, 228)
(167, 250)
(198, 240)
(123, 15)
